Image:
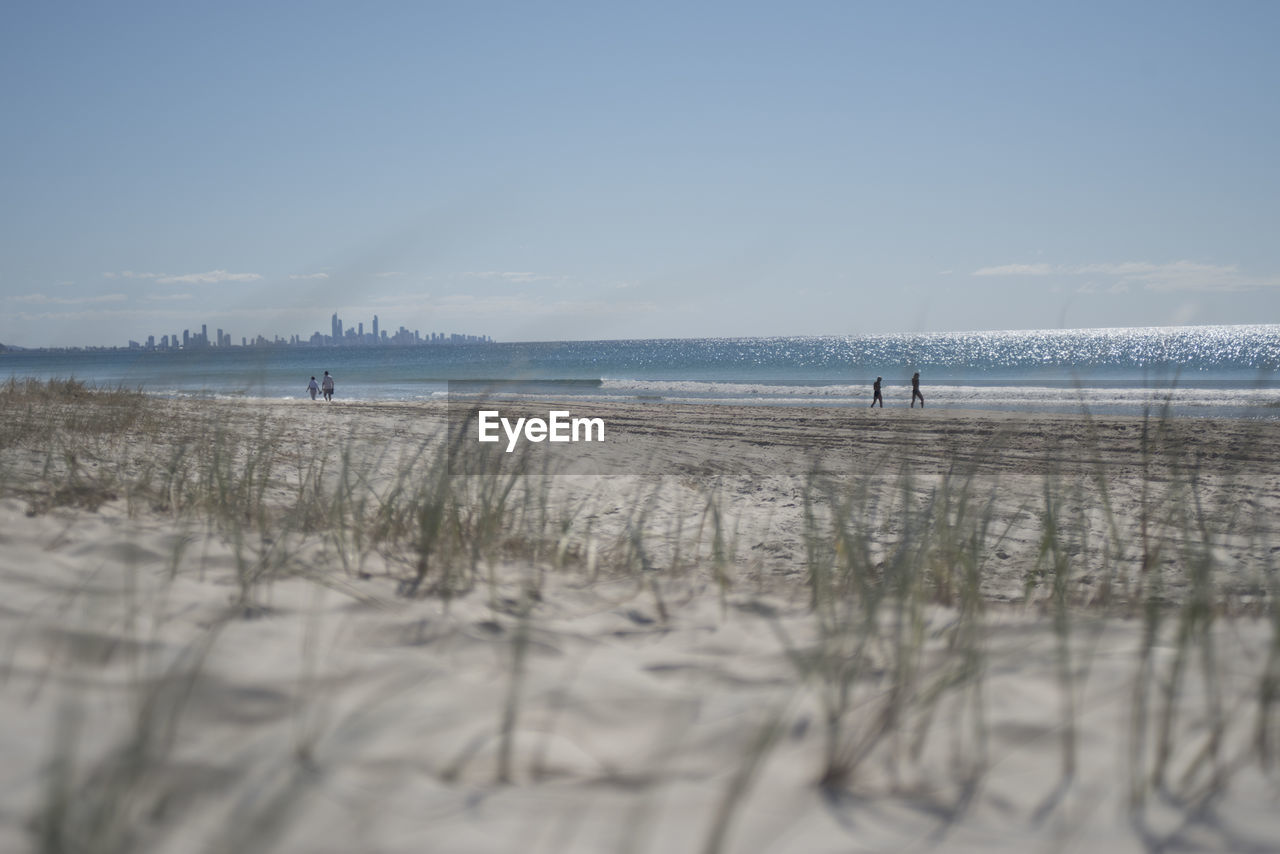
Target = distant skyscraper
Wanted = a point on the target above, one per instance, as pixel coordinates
(352, 337)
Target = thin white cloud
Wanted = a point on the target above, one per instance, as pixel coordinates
(1015, 270)
(519, 278)
(279, 317)
(1124, 268)
(388, 275)
(297, 276)
(1191, 276)
(169, 297)
(44, 299)
(213, 277)
(130, 274)
(1123, 276)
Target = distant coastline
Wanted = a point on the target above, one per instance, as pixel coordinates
(451, 340)
(339, 336)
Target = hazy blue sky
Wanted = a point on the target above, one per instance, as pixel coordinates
(580, 171)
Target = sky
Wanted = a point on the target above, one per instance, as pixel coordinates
(579, 171)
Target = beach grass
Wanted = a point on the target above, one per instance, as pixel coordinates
(890, 627)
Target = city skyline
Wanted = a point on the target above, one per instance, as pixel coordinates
(339, 336)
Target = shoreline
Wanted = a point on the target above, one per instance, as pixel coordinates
(1265, 413)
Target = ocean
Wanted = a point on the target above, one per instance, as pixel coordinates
(1229, 371)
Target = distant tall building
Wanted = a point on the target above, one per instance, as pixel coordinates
(186, 338)
(336, 328)
(219, 337)
(375, 328)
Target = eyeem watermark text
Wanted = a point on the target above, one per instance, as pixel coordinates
(558, 426)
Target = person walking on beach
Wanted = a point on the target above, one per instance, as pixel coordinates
(313, 387)
(326, 386)
(915, 391)
(876, 388)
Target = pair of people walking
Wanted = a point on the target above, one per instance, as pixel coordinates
(915, 392)
(325, 387)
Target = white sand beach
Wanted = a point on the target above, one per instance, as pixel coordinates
(267, 626)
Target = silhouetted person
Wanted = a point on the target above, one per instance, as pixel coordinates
(876, 387)
(313, 387)
(915, 391)
(326, 386)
